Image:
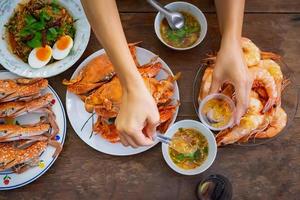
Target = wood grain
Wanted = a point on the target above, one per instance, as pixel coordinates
(269, 171)
(252, 6)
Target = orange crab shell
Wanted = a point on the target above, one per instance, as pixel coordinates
(11, 156)
(95, 73)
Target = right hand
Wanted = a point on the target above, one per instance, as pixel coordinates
(138, 113)
(230, 66)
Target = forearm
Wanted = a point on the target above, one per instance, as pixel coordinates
(230, 16)
(105, 20)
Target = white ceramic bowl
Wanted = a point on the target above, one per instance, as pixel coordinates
(185, 7)
(14, 64)
(212, 146)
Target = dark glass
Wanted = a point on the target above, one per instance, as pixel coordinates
(214, 187)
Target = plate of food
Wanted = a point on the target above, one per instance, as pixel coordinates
(32, 129)
(94, 94)
(39, 38)
(273, 98)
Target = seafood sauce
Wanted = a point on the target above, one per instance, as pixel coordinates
(218, 112)
(189, 139)
(184, 37)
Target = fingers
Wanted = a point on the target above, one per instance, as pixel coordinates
(151, 125)
(123, 140)
(135, 139)
(131, 142)
(215, 85)
(141, 140)
(242, 96)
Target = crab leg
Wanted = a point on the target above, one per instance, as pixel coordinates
(15, 109)
(16, 132)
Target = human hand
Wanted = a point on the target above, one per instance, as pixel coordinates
(138, 113)
(230, 66)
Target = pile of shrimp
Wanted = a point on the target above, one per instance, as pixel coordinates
(264, 117)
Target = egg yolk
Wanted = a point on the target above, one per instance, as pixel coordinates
(43, 53)
(63, 42)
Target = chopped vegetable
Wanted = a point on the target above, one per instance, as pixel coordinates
(38, 23)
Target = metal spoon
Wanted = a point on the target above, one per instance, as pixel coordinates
(175, 19)
(168, 141)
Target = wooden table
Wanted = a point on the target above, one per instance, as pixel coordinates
(270, 171)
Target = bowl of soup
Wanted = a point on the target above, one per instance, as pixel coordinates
(190, 35)
(192, 149)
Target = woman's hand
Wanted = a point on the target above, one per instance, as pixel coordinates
(138, 117)
(230, 66)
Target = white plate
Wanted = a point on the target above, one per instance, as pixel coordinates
(212, 146)
(14, 64)
(78, 116)
(10, 180)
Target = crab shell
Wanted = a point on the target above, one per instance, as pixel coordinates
(21, 89)
(11, 157)
(95, 73)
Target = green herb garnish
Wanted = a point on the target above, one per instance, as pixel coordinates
(36, 41)
(197, 154)
(44, 16)
(180, 157)
(52, 34)
(205, 150)
(29, 19)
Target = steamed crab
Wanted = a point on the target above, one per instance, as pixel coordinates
(103, 95)
(22, 144)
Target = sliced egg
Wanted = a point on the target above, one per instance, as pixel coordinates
(39, 56)
(62, 47)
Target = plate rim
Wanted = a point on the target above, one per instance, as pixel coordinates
(53, 159)
(81, 65)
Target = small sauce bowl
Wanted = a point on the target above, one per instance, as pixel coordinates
(204, 118)
(182, 7)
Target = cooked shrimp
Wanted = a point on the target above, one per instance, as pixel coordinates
(248, 123)
(277, 123)
(262, 78)
(274, 69)
(251, 52)
(269, 55)
(205, 83)
(255, 105)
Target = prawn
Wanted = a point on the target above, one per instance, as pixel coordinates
(248, 124)
(262, 78)
(205, 83)
(251, 52)
(277, 123)
(275, 71)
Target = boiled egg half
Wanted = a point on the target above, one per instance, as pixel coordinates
(39, 56)
(62, 47)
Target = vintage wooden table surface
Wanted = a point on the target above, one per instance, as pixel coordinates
(270, 171)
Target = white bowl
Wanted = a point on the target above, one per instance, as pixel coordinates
(185, 7)
(212, 146)
(14, 64)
